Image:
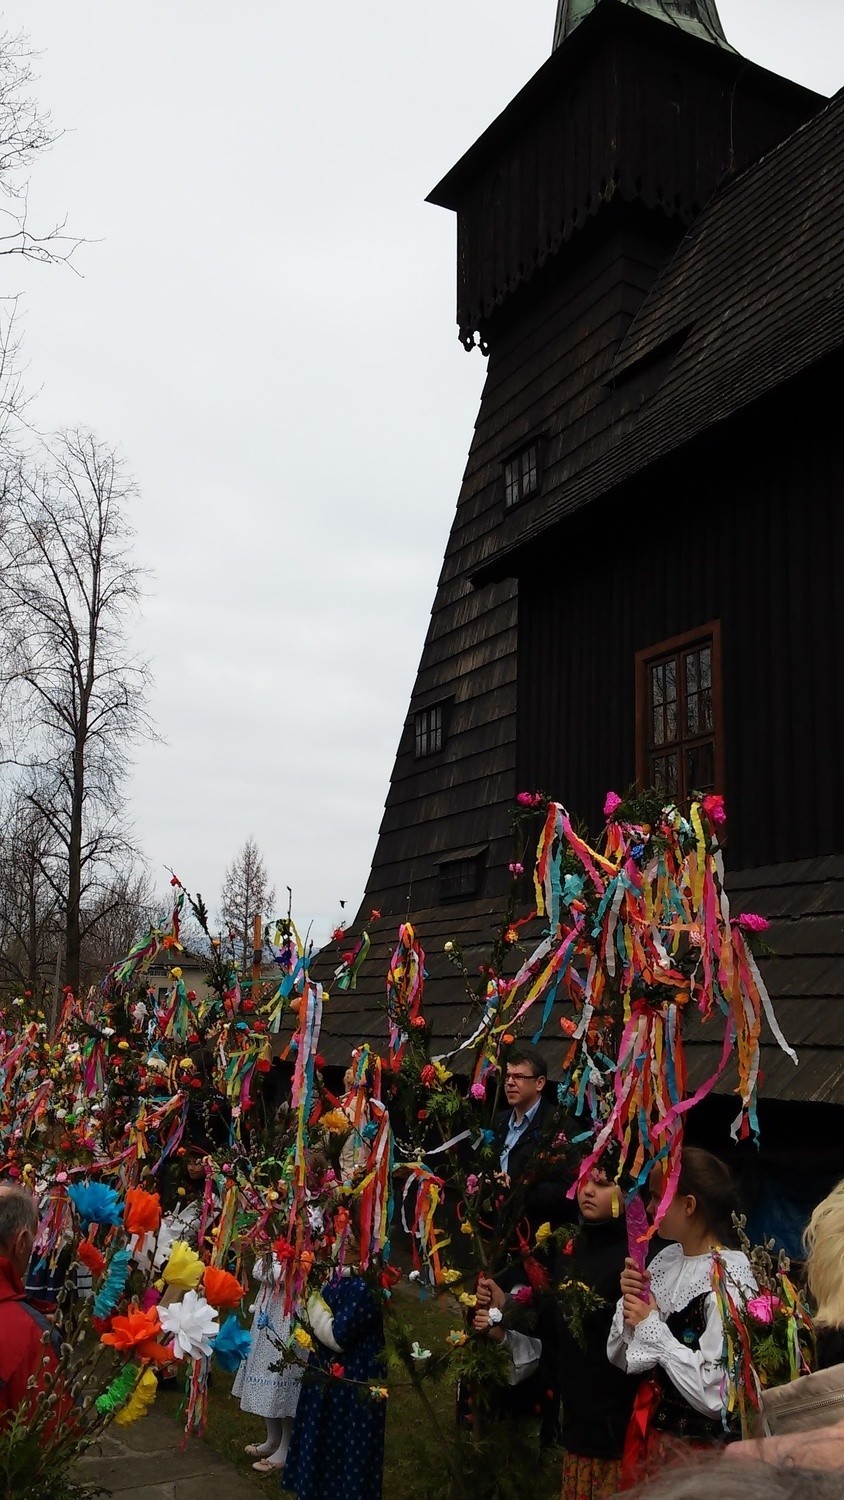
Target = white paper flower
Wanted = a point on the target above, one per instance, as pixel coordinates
(192, 1323)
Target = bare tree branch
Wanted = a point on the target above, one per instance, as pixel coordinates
(75, 692)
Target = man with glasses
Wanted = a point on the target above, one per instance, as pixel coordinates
(524, 1131)
(522, 1128)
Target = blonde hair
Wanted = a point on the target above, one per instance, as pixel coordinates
(824, 1242)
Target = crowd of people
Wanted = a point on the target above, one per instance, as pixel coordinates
(632, 1383)
(158, 1154)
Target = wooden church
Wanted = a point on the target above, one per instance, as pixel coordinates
(642, 576)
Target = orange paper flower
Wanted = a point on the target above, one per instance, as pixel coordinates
(139, 1332)
(142, 1212)
(91, 1257)
(221, 1288)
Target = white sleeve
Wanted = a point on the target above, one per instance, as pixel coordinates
(524, 1355)
(321, 1319)
(619, 1338)
(698, 1374)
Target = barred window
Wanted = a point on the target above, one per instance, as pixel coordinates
(521, 475)
(428, 730)
(460, 878)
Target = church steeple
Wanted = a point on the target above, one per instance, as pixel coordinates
(700, 17)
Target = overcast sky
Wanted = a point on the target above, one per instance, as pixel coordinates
(265, 327)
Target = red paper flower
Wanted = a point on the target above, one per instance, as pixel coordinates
(138, 1331)
(221, 1288)
(338, 1371)
(91, 1257)
(142, 1212)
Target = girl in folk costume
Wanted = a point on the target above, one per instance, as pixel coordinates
(337, 1449)
(264, 1391)
(668, 1327)
(596, 1399)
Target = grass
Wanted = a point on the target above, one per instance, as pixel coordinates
(412, 1447)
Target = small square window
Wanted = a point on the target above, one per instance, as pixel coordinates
(521, 475)
(428, 730)
(461, 877)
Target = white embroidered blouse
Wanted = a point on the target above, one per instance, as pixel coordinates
(676, 1279)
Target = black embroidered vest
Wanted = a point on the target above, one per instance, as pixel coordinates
(674, 1414)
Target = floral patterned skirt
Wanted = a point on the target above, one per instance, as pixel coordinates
(590, 1478)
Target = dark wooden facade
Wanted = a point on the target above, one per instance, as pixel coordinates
(680, 386)
(744, 529)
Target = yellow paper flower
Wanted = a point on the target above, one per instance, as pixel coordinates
(449, 1275)
(303, 1339)
(184, 1269)
(543, 1233)
(457, 1338)
(378, 1392)
(467, 1299)
(442, 1072)
(176, 973)
(466, 1228)
(140, 1400)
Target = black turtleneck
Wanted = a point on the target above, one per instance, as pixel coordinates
(597, 1398)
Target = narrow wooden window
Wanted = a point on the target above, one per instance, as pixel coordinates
(679, 714)
(428, 730)
(521, 475)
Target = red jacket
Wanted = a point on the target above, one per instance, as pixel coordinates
(22, 1352)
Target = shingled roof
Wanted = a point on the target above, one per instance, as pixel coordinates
(753, 297)
(804, 973)
(804, 903)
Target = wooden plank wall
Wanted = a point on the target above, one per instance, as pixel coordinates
(642, 114)
(747, 528)
(546, 374)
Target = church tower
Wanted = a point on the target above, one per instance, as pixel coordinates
(698, 17)
(568, 207)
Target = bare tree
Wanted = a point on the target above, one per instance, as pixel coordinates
(74, 692)
(26, 132)
(121, 911)
(246, 895)
(29, 913)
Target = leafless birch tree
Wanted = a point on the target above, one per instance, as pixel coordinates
(74, 690)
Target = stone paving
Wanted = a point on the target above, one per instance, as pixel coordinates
(147, 1462)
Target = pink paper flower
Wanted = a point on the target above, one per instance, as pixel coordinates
(612, 801)
(478, 1090)
(749, 921)
(529, 799)
(472, 1184)
(713, 806)
(763, 1307)
(516, 869)
(523, 1295)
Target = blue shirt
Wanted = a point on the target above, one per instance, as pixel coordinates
(515, 1133)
